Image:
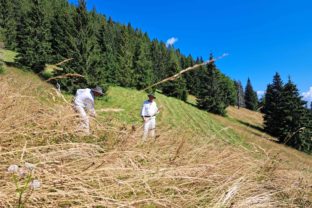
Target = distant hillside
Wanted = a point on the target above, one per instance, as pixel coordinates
(198, 160)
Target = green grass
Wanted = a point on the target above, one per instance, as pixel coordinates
(174, 114)
(7, 55)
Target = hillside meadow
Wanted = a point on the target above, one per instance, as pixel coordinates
(197, 160)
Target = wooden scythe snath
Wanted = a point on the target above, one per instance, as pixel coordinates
(69, 75)
(66, 76)
(176, 76)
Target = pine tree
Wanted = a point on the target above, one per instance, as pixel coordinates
(11, 12)
(272, 107)
(62, 31)
(176, 88)
(240, 101)
(209, 94)
(251, 99)
(33, 36)
(293, 115)
(142, 66)
(107, 44)
(83, 48)
(124, 72)
(192, 77)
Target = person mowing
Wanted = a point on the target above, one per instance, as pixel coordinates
(83, 104)
(148, 114)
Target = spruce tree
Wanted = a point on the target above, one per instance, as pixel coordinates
(33, 38)
(124, 72)
(83, 48)
(292, 115)
(10, 13)
(107, 44)
(251, 99)
(272, 108)
(240, 101)
(142, 66)
(209, 94)
(192, 77)
(176, 88)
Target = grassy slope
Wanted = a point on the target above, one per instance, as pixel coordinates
(189, 139)
(174, 114)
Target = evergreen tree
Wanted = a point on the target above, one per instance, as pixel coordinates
(272, 108)
(240, 101)
(216, 91)
(63, 31)
(251, 99)
(159, 56)
(33, 36)
(83, 48)
(193, 78)
(142, 66)
(176, 88)
(124, 72)
(10, 13)
(106, 40)
(293, 115)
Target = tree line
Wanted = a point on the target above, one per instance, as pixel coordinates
(105, 52)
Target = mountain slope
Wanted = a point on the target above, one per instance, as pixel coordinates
(198, 160)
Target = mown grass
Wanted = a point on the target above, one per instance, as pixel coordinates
(173, 114)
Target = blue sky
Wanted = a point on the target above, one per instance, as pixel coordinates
(261, 36)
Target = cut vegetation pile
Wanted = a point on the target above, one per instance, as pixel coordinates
(200, 166)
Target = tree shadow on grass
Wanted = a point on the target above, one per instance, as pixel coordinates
(250, 125)
(13, 64)
(192, 104)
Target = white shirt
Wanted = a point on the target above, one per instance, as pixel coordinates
(84, 98)
(149, 109)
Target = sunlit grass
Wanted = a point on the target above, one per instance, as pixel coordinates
(7, 55)
(173, 113)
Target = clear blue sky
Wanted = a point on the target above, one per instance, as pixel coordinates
(261, 36)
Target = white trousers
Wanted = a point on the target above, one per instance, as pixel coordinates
(149, 126)
(84, 125)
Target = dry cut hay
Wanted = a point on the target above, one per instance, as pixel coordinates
(113, 169)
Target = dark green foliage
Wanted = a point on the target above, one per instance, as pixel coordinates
(176, 88)
(286, 116)
(294, 118)
(272, 107)
(142, 66)
(240, 100)
(216, 91)
(251, 99)
(33, 36)
(10, 12)
(124, 73)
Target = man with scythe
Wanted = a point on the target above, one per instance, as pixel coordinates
(148, 114)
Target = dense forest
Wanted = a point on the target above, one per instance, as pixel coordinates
(107, 53)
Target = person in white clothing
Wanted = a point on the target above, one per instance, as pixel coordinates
(148, 114)
(83, 104)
